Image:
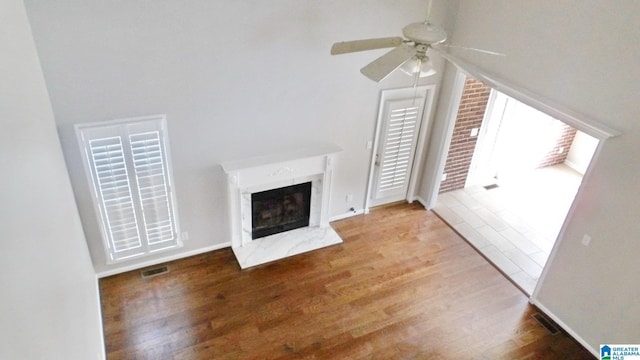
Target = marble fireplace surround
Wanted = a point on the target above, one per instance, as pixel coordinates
(247, 176)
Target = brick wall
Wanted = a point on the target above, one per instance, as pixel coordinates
(470, 114)
(561, 138)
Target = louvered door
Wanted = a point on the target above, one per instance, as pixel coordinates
(396, 149)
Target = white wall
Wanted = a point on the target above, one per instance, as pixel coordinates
(235, 78)
(50, 305)
(582, 149)
(583, 55)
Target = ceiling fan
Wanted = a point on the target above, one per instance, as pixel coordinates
(408, 53)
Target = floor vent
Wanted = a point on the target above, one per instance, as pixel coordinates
(489, 187)
(546, 323)
(154, 272)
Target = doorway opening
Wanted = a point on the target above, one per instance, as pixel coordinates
(510, 178)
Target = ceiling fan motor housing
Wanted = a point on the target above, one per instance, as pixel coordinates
(424, 33)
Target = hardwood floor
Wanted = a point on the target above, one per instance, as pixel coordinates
(402, 286)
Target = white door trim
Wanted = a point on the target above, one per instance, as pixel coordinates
(579, 121)
(435, 177)
(479, 153)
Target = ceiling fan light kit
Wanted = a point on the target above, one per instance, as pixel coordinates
(413, 66)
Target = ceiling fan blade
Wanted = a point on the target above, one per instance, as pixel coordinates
(472, 49)
(387, 63)
(363, 45)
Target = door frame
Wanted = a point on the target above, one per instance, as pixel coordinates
(488, 132)
(443, 138)
(429, 93)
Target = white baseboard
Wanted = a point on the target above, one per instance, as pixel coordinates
(421, 201)
(575, 167)
(163, 260)
(346, 215)
(566, 327)
(102, 354)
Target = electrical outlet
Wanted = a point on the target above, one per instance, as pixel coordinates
(184, 235)
(369, 144)
(444, 177)
(586, 240)
(349, 198)
(474, 132)
(561, 150)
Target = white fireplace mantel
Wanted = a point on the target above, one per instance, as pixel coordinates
(262, 173)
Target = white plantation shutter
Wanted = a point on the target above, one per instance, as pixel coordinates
(114, 192)
(151, 176)
(128, 165)
(397, 147)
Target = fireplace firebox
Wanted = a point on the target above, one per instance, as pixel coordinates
(278, 210)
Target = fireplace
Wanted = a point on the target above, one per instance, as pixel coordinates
(279, 204)
(278, 210)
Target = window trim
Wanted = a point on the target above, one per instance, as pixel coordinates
(122, 127)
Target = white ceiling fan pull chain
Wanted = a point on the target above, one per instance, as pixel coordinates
(416, 78)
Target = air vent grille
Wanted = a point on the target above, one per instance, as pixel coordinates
(154, 272)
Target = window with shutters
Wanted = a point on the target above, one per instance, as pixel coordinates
(128, 167)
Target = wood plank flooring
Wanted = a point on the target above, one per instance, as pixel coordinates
(402, 286)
